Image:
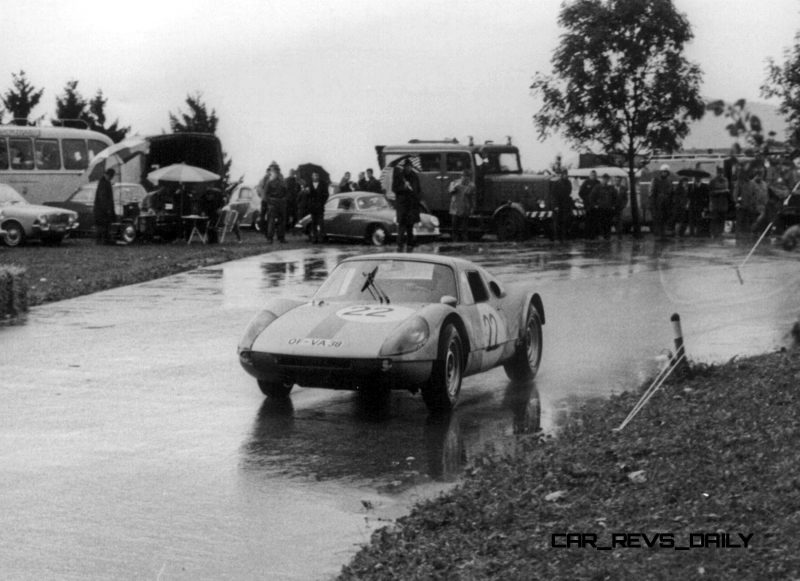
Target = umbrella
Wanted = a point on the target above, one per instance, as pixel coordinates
(693, 173)
(305, 170)
(117, 154)
(182, 173)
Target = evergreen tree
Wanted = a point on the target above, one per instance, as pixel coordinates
(20, 100)
(98, 119)
(71, 107)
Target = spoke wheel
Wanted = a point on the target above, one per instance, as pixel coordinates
(525, 362)
(377, 236)
(15, 235)
(444, 387)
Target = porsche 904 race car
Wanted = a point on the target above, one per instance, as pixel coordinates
(396, 321)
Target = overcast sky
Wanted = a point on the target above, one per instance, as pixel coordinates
(326, 81)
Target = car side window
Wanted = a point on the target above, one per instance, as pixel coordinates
(346, 204)
(332, 205)
(430, 161)
(457, 162)
(477, 286)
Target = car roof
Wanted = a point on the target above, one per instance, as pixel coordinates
(451, 261)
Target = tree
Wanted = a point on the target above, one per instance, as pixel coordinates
(199, 120)
(71, 106)
(783, 82)
(21, 99)
(621, 81)
(743, 125)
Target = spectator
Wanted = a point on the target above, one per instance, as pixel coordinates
(276, 195)
(261, 190)
(562, 192)
(746, 205)
(620, 203)
(462, 204)
(585, 193)
(661, 192)
(211, 202)
(371, 184)
(602, 201)
(104, 215)
(697, 194)
(767, 203)
(680, 207)
(406, 188)
(317, 196)
(292, 195)
(345, 185)
(718, 203)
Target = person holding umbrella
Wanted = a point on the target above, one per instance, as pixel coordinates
(661, 201)
(407, 191)
(315, 199)
(276, 195)
(104, 215)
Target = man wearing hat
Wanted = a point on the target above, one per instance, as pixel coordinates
(661, 200)
(718, 203)
(275, 194)
(406, 188)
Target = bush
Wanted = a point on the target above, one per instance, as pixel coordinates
(13, 291)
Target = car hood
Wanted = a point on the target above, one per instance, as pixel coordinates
(33, 210)
(334, 329)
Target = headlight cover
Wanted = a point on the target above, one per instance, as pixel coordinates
(260, 322)
(409, 337)
(435, 221)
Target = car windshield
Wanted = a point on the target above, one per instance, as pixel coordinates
(375, 202)
(402, 281)
(8, 197)
(498, 162)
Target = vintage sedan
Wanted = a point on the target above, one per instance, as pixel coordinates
(82, 202)
(418, 322)
(23, 221)
(247, 204)
(369, 217)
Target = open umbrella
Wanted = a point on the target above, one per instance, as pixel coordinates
(693, 173)
(305, 170)
(116, 155)
(182, 173)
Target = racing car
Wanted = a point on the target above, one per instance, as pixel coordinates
(418, 322)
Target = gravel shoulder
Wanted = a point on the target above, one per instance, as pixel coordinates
(709, 455)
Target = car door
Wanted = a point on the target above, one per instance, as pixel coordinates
(489, 318)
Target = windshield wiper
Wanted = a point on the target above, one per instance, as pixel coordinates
(373, 287)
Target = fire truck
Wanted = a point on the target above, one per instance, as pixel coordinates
(511, 204)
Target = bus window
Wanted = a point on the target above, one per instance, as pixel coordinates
(75, 154)
(3, 154)
(21, 153)
(47, 154)
(95, 147)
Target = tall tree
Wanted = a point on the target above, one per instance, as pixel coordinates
(71, 105)
(97, 108)
(620, 81)
(783, 83)
(199, 120)
(22, 98)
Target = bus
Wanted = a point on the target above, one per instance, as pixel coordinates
(46, 163)
(134, 158)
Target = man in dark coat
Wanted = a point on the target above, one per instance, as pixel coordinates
(406, 188)
(316, 198)
(585, 193)
(104, 214)
(211, 202)
(602, 201)
(276, 194)
(698, 203)
(562, 194)
(371, 184)
(293, 193)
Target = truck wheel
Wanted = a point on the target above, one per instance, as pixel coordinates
(510, 226)
(275, 390)
(444, 386)
(525, 362)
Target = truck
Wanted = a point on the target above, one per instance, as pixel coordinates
(511, 204)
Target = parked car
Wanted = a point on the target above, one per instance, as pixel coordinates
(82, 202)
(419, 322)
(246, 202)
(24, 221)
(369, 217)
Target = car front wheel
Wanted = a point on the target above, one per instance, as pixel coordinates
(377, 236)
(444, 386)
(15, 235)
(525, 362)
(275, 390)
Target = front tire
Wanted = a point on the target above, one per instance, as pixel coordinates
(15, 234)
(275, 390)
(524, 363)
(444, 386)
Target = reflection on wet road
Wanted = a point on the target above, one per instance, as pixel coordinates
(133, 446)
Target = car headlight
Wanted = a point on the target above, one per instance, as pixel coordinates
(260, 322)
(43, 220)
(407, 338)
(435, 221)
(71, 219)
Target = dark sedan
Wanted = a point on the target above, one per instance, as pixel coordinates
(82, 202)
(368, 217)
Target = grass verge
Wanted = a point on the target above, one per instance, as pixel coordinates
(714, 454)
(79, 266)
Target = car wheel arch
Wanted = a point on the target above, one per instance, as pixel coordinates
(456, 320)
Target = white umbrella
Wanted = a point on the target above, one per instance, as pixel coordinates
(117, 154)
(182, 173)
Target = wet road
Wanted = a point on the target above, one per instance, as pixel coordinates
(133, 446)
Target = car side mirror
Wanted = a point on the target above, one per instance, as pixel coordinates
(496, 290)
(449, 300)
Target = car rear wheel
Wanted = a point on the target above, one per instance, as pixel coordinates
(15, 235)
(377, 236)
(255, 223)
(525, 362)
(275, 390)
(444, 386)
